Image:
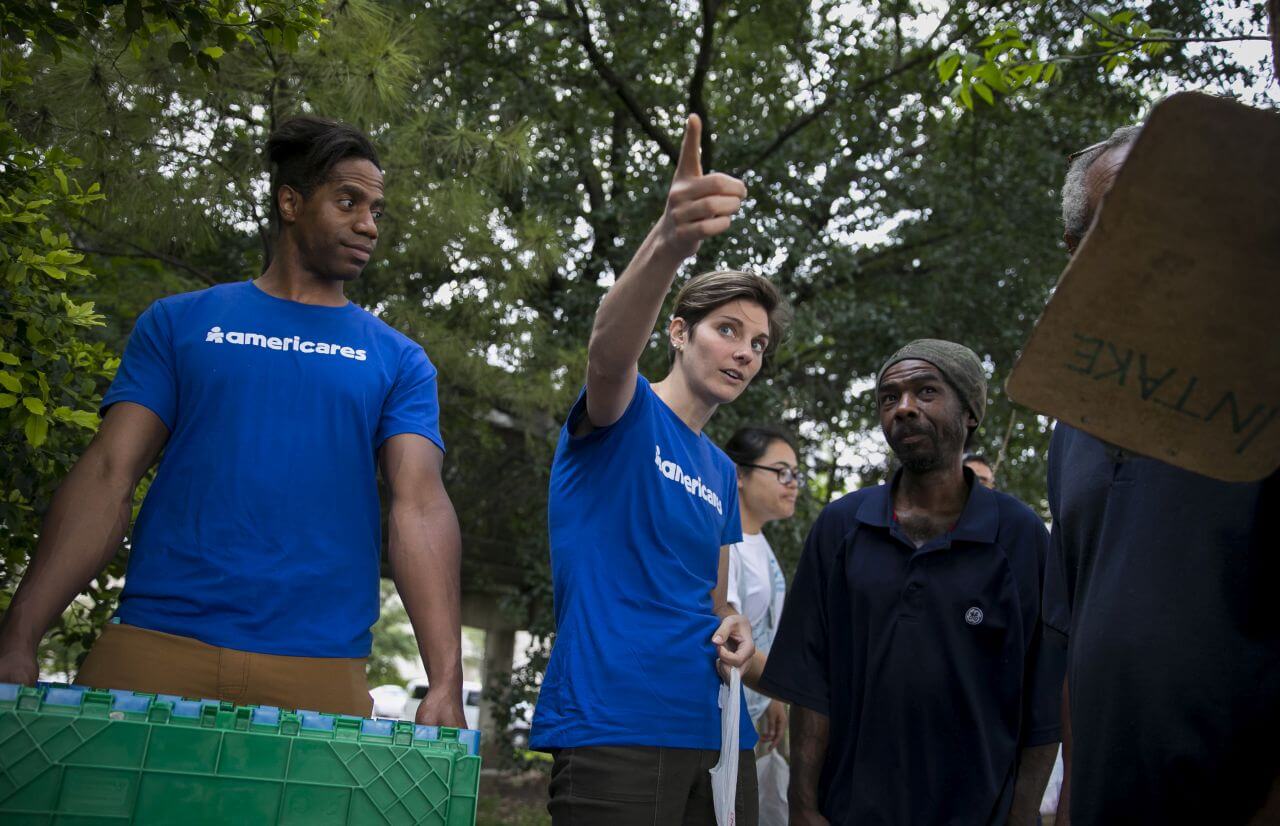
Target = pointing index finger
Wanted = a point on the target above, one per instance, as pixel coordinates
(690, 163)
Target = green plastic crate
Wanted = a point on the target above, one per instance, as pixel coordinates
(70, 755)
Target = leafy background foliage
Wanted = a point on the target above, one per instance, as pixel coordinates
(902, 158)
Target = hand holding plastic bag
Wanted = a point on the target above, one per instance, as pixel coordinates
(724, 777)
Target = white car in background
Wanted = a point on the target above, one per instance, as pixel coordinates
(417, 689)
(388, 700)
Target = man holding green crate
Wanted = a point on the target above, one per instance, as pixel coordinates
(254, 564)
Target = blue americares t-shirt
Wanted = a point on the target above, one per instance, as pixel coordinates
(637, 513)
(261, 531)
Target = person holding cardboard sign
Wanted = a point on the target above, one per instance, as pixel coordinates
(1164, 580)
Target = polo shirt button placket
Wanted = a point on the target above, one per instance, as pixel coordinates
(911, 599)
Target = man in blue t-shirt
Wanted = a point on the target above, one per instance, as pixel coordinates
(254, 563)
(643, 507)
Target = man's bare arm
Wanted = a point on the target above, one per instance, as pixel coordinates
(1035, 764)
(810, 732)
(82, 530)
(425, 549)
(698, 207)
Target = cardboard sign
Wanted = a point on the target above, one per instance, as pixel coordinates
(1163, 336)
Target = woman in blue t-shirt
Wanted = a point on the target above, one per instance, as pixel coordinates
(642, 509)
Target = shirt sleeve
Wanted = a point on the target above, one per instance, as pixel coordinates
(412, 405)
(1046, 665)
(1056, 600)
(147, 375)
(798, 666)
(734, 579)
(639, 398)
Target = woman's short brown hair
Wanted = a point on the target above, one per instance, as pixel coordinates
(704, 293)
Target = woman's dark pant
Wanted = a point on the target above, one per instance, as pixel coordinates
(644, 786)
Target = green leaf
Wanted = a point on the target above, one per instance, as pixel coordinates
(984, 92)
(62, 179)
(989, 73)
(81, 418)
(10, 359)
(214, 52)
(7, 400)
(966, 97)
(36, 429)
(33, 404)
(10, 382)
(947, 66)
(1050, 70)
(179, 52)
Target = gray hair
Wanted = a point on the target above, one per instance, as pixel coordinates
(1075, 200)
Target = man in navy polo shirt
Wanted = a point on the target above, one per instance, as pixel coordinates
(1165, 582)
(910, 646)
(254, 565)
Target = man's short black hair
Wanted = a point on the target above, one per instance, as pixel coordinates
(303, 150)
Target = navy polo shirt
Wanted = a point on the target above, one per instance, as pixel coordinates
(1166, 583)
(928, 661)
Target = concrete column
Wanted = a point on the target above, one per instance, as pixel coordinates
(499, 653)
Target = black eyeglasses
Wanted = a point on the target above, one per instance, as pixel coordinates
(786, 475)
(1085, 151)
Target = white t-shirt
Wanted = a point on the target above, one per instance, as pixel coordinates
(756, 589)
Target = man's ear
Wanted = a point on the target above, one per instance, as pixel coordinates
(289, 202)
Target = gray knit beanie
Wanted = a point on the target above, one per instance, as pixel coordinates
(958, 364)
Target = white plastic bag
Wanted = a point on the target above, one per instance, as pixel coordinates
(724, 777)
(774, 775)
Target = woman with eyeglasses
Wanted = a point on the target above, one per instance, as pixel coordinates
(768, 483)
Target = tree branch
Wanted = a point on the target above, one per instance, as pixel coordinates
(1004, 444)
(1128, 38)
(697, 83)
(140, 251)
(616, 83)
(790, 130)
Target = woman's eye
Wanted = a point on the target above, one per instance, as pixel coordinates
(377, 215)
(726, 329)
(757, 346)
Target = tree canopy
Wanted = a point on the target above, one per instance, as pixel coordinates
(902, 158)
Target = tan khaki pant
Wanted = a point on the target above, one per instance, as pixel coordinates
(137, 659)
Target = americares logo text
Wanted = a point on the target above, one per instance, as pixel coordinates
(294, 343)
(692, 484)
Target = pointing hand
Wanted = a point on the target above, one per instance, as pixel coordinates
(698, 206)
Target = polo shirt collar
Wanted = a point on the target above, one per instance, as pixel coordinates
(979, 521)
